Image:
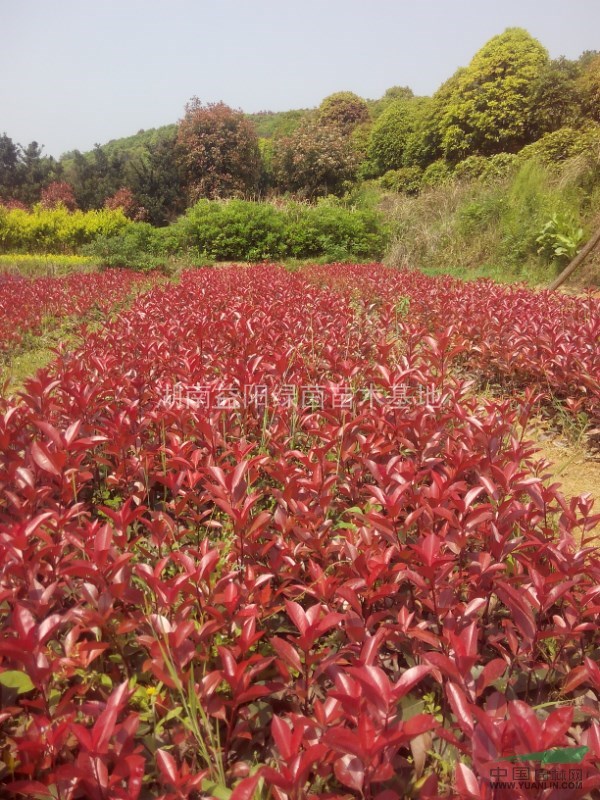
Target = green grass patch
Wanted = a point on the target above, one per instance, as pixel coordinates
(513, 228)
(33, 266)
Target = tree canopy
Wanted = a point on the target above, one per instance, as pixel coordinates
(315, 160)
(218, 151)
(492, 100)
(392, 132)
(344, 110)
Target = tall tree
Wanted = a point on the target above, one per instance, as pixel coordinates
(343, 110)
(315, 160)
(589, 85)
(10, 176)
(392, 132)
(155, 179)
(492, 102)
(555, 98)
(95, 176)
(37, 171)
(218, 151)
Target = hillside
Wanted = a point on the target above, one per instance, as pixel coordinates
(268, 124)
(494, 174)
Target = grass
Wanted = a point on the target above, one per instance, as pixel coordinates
(34, 266)
(39, 351)
(473, 228)
(36, 352)
(22, 366)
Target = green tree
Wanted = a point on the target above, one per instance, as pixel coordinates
(589, 86)
(424, 145)
(37, 171)
(315, 160)
(272, 124)
(377, 107)
(555, 99)
(343, 110)
(392, 132)
(155, 178)
(218, 151)
(491, 105)
(95, 176)
(10, 176)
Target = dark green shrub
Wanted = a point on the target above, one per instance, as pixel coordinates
(500, 166)
(437, 174)
(565, 143)
(246, 231)
(406, 180)
(139, 246)
(486, 168)
(234, 230)
(334, 232)
(471, 168)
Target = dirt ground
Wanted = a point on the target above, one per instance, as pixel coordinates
(572, 465)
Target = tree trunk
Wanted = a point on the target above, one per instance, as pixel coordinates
(579, 259)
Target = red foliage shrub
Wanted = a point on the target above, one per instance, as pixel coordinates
(12, 204)
(123, 198)
(59, 193)
(218, 151)
(379, 599)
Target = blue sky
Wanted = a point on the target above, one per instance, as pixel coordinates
(77, 72)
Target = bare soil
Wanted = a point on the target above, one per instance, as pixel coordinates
(572, 465)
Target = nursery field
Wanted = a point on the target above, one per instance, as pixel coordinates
(28, 307)
(39, 314)
(286, 535)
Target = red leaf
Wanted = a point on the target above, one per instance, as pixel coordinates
(43, 459)
(167, 766)
(556, 725)
(466, 783)
(105, 724)
(460, 707)
(296, 613)
(207, 564)
(375, 683)
(344, 741)
(287, 653)
(350, 772)
(575, 678)
(245, 789)
(283, 737)
(410, 679)
(491, 672)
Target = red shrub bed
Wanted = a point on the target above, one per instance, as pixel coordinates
(514, 336)
(28, 305)
(257, 539)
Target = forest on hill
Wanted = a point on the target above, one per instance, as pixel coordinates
(512, 104)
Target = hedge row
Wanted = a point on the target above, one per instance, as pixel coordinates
(56, 230)
(211, 230)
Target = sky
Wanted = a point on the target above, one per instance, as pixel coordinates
(77, 72)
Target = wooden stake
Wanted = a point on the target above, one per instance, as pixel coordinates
(579, 259)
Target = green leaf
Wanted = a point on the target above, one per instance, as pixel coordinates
(346, 526)
(565, 755)
(15, 679)
(557, 755)
(216, 790)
